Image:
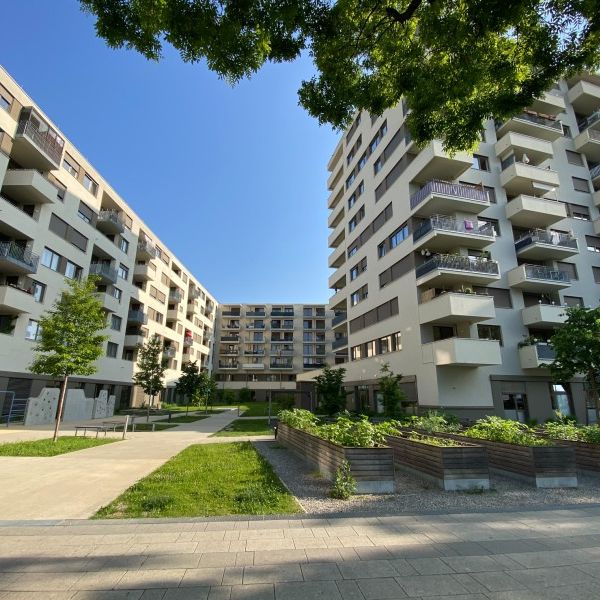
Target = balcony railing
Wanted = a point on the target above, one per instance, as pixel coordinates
(544, 351)
(137, 316)
(104, 270)
(589, 121)
(254, 352)
(169, 351)
(231, 313)
(228, 365)
(111, 216)
(230, 338)
(314, 365)
(542, 236)
(545, 273)
(46, 138)
(595, 172)
(340, 318)
(282, 365)
(19, 255)
(443, 223)
(537, 119)
(175, 295)
(456, 190)
(339, 343)
(147, 246)
(458, 263)
(282, 313)
(255, 313)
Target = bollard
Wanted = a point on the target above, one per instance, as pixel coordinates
(125, 427)
(153, 426)
(169, 419)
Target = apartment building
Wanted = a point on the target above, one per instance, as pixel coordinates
(456, 269)
(60, 219)
(265, 346)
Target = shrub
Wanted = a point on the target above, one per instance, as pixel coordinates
(567, 430)
(347, 432)
(299, 419)
(344, 485)
(496, 429)
(434, 422)
(432, 440)
(286, 402)
(590, 434)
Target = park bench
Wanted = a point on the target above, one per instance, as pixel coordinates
(96, 428)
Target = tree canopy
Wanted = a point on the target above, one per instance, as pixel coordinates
(457, 63)
(150, 368)
(330, 390)
(392, 395)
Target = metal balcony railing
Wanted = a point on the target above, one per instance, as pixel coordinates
(545, 273)
(339, 343)
(255, 313)
(45, 137)
(19, 255)
(537, 119)
(589, 121)
(457, 190)
(542, 236)
(137, 316)
(458, 263)
(104, 270)
(340, 318)
(595, 172)
(443, 223)
(545, 351)
(282, 313)
(175, 295)
(111, 216)
(147, 246)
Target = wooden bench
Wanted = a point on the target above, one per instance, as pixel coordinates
(96, 428)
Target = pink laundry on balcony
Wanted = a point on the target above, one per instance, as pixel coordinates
(469, 225)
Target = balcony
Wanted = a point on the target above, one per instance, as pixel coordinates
(337, 258)
(585, 97)
(536, 356)
(231, 313)
(551, 102)
(281, 365)
(339, 319)
(545, 316)
(110, 222)
(173, 314)
(16, 222)
(109, 302)
(144, 272)
(533, 125)
(229, 351)
(105, 272)
(252, 314)
(538, 278)
(337, 236)
(335, 217)
(29, 186)
(15, 259)
(137, 317)
(596, 225)
(188, 341)
(540, 244)
(340, 342)
(36, 144)
(440, 232)
(169, 352)
(445, 270)
(230, 338)
(433, 162)
(253, 366)
(457, 307)
(516, 143)
(462, 352)
(282, 313)
(253, 352)
(228, 365)
(194, 293)
(132, 340)
(439, 197)
(313, 365)
(595, 177)
(231, 325)
(175, 296)
(146, 250)
(15, 300)
(258, 326)
(591, 122)
(530, 211)
(521, 178)
(588, 142)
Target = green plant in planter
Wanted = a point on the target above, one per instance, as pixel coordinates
(432, 441)
(529, 340)
(561, 431)
(590, 434)
(434, 422)
(355, 433)
(299, 419)
(506, 431)
(344, 484)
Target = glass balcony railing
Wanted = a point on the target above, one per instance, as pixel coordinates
(339, 318)
(542, 236)
(443, 223)
(545, 273)
(458, 263)
(339, 343)
(589, 121)
(104, 270)
(536, 119)
(457, 190)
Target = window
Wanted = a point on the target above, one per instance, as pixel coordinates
(491, 194)
(352, 251)
(501, 296)
(397, 270)
(66, 232)
(123, 272)
(85, 213)
(359, 295)
(4, 102)
(480, 163)
(383, 345)
(50, 259)
(596, 274)
(112, 349)
(515, 407)
(561, 401)
(7, 324)
(483, 221)
(489, 332)
(377, 165)
(116, 293)
(566, 130)
(361, 188)
(382, 250)
(574, 158)
(352, 201)
(577, 211)
(90, 185)
(32, 332)
(123, 245)
(72, 271)
(350, 179)
(573, 300)
(116, 322)
(580, 185)
(399, 235)
(358, 268)
(356, 219)
(380, 313)
(69, 168)
(569, 268)
(38, 291)
(593, 243)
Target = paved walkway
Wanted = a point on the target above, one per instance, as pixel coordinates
(76, 485)
(526, 555)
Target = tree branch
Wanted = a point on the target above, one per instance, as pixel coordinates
(403, 17)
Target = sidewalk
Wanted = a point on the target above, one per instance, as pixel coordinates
(77, 484)
(525, 555)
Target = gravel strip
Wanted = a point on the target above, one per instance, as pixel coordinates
(415, 495)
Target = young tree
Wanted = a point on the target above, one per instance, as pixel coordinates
(330, 390)
(577, 349)
(244, 395)
(389, 386)
(228, 397)
(70, 342)
(456, 63)
(206, 389)
(150, 369)
(189, 382)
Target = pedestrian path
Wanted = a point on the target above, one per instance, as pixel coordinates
(525, 555)
(77, 484)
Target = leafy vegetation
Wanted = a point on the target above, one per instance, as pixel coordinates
(245, 427)
(431, 440)
(392, 394)
(49, 447)
(344, 484)
(206, 480)
(496, 429)
(457, 63)
(151, 369)
(434, 422)
(69, 340)
(570, 431)
(331, 394)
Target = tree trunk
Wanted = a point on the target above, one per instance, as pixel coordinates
(150, 403)
(59, 408)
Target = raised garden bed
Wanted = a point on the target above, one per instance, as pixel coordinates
(587, 456)
(544, 466)
(460, 467)
(372, 468)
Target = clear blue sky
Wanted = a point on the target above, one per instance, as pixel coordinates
(233, 180)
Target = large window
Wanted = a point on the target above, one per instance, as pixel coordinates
(38, 291)
(50, 259)
(33, 330)
(123, 272)
(90, 185)
(116, 322)
(515, 407)
(561, 400)
(112, 349)
(480, 163)
(72, 271)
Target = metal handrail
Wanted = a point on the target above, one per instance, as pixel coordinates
(555, 238)
(17, 253)
(458, 190)
(545, 273)
(458, 263)
(595, 171)
(46, 140)
(103, 269)
(588, 121)
(537, 119)
(444, 223)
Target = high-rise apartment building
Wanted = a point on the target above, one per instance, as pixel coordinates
(455, 269)
(60, 219)
(265, 346)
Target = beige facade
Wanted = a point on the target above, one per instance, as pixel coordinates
(265, 346)
(450, 267)
(60, 219)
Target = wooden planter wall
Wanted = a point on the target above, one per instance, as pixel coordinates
(373, 468)
(587, 456)
(453, 468)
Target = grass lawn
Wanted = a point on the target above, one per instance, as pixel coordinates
(206, 480)
(47, 447)
(245, 427)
